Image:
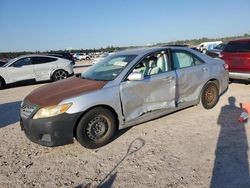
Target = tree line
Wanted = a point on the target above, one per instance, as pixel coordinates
(192, 42)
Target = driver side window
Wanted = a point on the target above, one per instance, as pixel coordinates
(22, 62)
(153, 64)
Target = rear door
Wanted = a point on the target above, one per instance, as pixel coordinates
(43, 67)
(192, 74)
(237, 56)
(21, 70)
(155, 92)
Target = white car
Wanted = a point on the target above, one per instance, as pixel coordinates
(35, 67)
(204, 46)
(81, 56)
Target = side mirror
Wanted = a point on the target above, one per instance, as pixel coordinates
(136, 76)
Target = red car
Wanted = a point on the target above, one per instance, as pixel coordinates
(237, 55)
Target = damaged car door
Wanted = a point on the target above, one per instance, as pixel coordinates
(192, 74)
(150, 86)
(43, 66)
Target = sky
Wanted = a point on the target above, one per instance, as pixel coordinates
(40, 25)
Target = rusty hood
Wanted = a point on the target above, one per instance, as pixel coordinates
(54, 93)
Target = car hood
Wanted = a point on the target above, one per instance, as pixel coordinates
(54, 93)
(215, 50)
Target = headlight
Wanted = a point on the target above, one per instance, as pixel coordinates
(52, 110)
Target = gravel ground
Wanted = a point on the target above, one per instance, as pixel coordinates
(190, 148)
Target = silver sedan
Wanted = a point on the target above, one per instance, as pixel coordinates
(124, 89)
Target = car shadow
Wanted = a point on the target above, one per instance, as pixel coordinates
(25, 83)
(120, 133)
(31, 82)
(9, 113)
(231, 167)
(246, 82)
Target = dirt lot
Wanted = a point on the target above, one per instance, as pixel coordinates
(191, 148)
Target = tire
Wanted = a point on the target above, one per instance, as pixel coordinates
(87, 58)
(59, 75)
(96, 128)
(2, 83)
(210, 95)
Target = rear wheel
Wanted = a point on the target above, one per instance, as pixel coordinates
(210, 95)
(59, 75)
(2, 83)
(96, 128)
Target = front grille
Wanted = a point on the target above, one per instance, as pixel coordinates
(27, 109)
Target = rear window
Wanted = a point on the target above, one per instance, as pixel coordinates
(239, 46)
(41, 60)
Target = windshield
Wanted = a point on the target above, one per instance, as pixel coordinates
(220, 46)
(9, 62)
(108, 68)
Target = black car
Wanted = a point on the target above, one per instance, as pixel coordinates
(3, 61)
(65, 55)
(216, 51)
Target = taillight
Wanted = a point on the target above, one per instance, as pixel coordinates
(225, 66)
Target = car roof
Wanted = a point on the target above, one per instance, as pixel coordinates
(146, 50)
(34, 55)
(241, 40)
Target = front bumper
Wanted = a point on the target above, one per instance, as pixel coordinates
(52, 131)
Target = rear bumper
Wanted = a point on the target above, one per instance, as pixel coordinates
(52, 131)
(239, 75)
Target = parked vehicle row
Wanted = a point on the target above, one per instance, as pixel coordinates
(236, 54)
(35, 67)
(124, 89)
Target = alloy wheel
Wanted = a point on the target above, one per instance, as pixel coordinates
(59, 75)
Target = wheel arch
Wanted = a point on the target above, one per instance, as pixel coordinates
(1, 78)
(112, 110)
(214, 80)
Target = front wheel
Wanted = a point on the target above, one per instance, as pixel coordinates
(59, 75)
(96, 128)
(210, 95)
